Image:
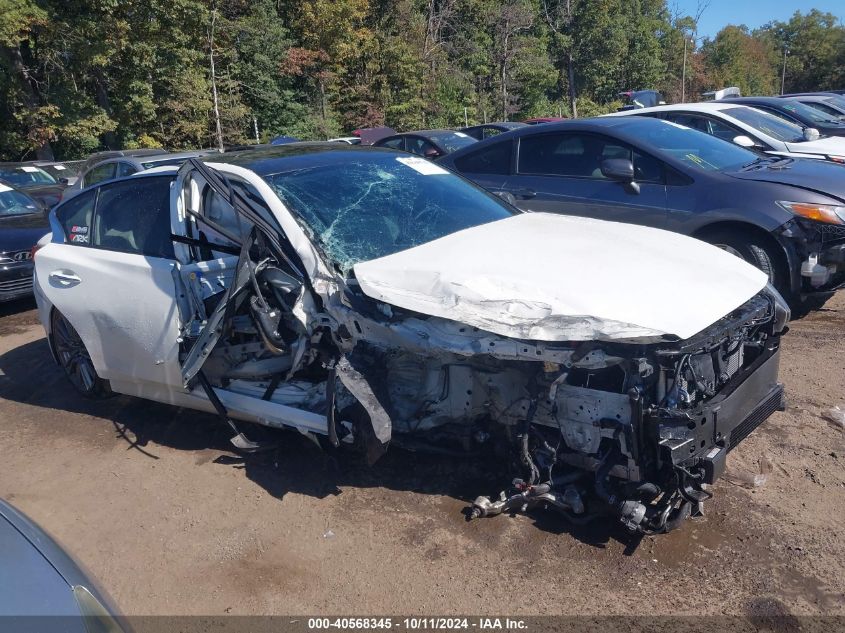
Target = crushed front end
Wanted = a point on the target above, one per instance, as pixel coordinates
(591, 428)
(642, 438)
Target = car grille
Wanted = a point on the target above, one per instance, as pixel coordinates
(831, 232)
(15, 257)
(766, 408)
(16, 285)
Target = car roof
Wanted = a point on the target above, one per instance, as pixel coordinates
(764, 100)
(703, 106)
(594, 124)
(278, 158)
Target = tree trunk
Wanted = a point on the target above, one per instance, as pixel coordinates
(217, 127)
(103, 100)
(571, 71)
(26, 82)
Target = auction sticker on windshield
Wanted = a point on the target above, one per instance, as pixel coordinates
(421, 165)
(30, 170)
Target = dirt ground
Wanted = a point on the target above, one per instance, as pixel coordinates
(171, 521)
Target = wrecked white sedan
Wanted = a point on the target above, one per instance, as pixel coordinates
(367, 297)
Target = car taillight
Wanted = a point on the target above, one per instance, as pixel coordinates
(34, 250)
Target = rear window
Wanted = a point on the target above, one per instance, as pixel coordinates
(133, 216)
(26, 176)
(75, 217)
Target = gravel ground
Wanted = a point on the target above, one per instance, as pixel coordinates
(171, 521)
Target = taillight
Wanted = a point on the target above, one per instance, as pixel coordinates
(34, 250)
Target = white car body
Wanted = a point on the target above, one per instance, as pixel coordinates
(429, 341)
(829, 148)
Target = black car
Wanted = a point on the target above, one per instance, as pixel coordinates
(23, 221)
(795, 112)
(784, 215)
(486, 130)
(35, 181)
(42, 588)
(432, 144)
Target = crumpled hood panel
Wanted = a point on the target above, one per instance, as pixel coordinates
(547, 277)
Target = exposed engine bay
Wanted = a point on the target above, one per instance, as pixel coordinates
(592, 428)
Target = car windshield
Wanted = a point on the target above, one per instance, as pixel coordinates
(15, 203)
(696, 149)
(806, 112)
(369, 205)
(768, 124)
(26, 176)
(452, 141)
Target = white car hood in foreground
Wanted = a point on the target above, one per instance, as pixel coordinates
(548, 277)
(831, 145)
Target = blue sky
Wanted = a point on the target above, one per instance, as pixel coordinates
(752, 13)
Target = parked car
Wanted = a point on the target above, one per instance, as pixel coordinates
(64, 172)
(34, 180)
(118, 167)
(42, 588)
(97, 157)
(749, 127)
(432, 144)
(544, 119)
(783, 215)
(283, 140)
(486, 130)
(370, 135)
(830, 104)
(23, 221)
(349, 140)
(794, 112)
(364, 297)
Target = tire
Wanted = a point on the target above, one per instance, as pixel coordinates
(75, 360)
(754, 251)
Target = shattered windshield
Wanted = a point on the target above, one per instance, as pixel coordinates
(368, 205)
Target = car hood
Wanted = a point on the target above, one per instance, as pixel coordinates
(831, 145)
(547, 277)
(823, 176)
(21, 232)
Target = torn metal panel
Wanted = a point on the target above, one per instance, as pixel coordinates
(360, 387)
(547, 277)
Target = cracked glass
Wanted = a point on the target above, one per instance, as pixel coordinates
(377, 204)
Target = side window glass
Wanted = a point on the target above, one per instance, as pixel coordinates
(723, 131)
(495, 159)
(134, 217)
(395, 143)
(690, 121)
(125, 169)
(421, 146)
(647, 168)
(99, 174)
(75, 217)
(491, 131)
(575, 155)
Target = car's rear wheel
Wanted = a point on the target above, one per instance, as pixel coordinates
(75, 360)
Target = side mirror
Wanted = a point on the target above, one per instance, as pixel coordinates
(811, 134)
(64, 181)
(432, 153)
(744, 141)
(621, 170)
